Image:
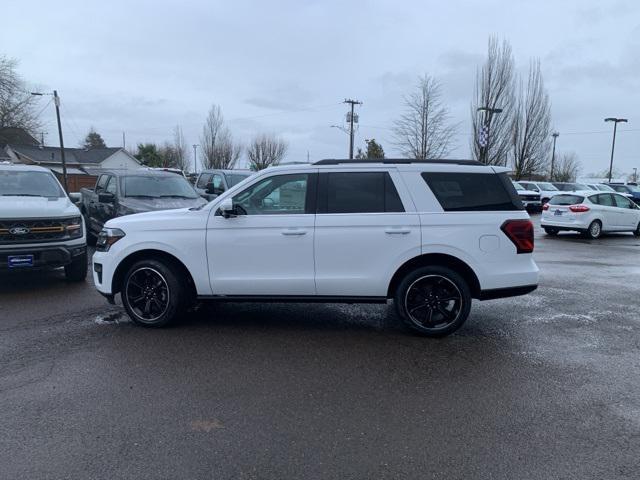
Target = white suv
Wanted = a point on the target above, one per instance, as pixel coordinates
(431, 235)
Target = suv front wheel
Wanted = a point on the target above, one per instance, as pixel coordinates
(433, 301)
(152, 293)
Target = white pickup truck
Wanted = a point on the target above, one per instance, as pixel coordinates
(40, 227)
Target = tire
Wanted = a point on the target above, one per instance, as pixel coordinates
(595, 230)
(420, 294)
(551, 231)
(91, 238)
(76, 271)
(544, 201)
(636, 232)
(152, 293)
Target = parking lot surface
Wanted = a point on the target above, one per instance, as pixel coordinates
(541, 386)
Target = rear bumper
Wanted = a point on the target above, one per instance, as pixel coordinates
(506, 292)
(43, 256)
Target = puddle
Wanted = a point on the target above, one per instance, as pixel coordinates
(111, 318)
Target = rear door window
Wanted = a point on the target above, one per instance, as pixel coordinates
(459, 192)
(566, 200)
(358, 192)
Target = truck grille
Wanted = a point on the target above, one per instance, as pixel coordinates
(16, 231)
(530, 198)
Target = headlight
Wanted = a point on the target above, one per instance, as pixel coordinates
(107, 237)
(73, 227)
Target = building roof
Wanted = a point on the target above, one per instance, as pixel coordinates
(51, 155)
(16, 135)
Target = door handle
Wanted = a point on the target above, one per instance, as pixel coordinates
(292, 231)
(397, 231)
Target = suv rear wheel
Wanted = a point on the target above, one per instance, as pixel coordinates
(152, 293)
(433, 301)
(636, 232)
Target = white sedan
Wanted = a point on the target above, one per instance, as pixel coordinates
(591, 213)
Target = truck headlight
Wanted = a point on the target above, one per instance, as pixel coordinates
(107, 237)
(73, 227)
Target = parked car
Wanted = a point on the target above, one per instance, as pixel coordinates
(177, 171)
(600, 187)
(212, 183)
(545, 189)
(631, 190)
(571, 187)
(431, 235)
(126, 192)
(40, 227)
(591, 214)
(529, 198)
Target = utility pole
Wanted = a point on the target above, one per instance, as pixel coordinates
(195, 158)
(635, 175)
(351, 119)
(553, 155)
(124, 141)
(56, 100)
(613, 143)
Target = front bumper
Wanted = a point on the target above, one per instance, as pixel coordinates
(44, 256)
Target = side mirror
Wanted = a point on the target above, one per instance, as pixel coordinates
(226, 208)
(75, 197)
(106, 197)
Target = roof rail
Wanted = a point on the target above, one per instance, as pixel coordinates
(391, 161)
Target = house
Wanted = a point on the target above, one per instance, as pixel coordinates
(82, 165)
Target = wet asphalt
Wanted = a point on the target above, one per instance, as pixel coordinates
(538, 387)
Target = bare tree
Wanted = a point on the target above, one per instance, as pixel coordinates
(493, 90)
(17, 105)
(266, 150)
(531, 125)
(567, 168)
(218, 147)
(423, 130)
(180, 148)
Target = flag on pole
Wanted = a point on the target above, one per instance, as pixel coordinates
(483, 136)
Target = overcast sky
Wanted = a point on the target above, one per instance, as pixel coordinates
(285, 66)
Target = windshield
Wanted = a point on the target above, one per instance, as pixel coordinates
(633, 188)
(604, 188)
(157, 186)
(547, 186)
(29, 184)
(235, 178)
(518, 187)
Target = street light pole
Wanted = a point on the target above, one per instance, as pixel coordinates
(56, 101)
(484, 149)
(555, 135)
(613, 143)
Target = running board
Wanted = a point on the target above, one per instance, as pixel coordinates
(292, 298)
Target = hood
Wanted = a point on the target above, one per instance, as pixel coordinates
(139, 205)
(528, 192)
(161, 220)
(37, 207)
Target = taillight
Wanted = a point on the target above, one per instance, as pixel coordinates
(520, 232)
(545, 207)
(579, 208)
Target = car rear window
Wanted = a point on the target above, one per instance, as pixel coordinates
(566, 200)
(459, 192)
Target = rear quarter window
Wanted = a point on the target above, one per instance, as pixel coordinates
(472, 192)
